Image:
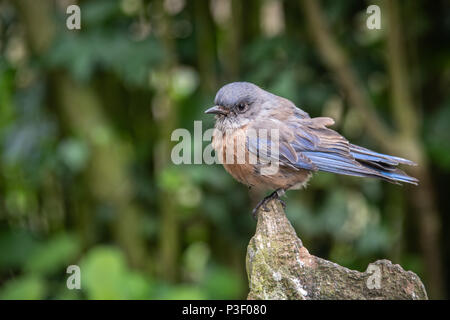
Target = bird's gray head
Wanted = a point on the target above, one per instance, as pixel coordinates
(237, 103)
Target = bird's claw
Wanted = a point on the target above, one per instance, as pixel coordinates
(263, 203)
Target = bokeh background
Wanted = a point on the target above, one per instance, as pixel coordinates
(86, 117)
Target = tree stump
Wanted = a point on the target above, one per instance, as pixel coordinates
(280, 267)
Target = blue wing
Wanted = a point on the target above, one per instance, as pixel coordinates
(307, 143)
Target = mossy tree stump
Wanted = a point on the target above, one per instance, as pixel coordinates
(280, 267)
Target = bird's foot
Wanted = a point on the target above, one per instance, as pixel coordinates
(263, 203)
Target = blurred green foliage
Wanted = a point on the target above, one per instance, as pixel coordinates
(85, 123)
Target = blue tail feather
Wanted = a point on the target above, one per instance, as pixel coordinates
(363, 163)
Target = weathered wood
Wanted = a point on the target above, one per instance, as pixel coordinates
(280, 267)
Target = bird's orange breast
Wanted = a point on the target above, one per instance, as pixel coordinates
(233, 154)
(231, 149)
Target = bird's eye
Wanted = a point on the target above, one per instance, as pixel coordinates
(241, 107)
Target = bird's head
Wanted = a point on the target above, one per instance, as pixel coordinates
(237, 103)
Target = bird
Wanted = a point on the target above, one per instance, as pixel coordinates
(304, 145)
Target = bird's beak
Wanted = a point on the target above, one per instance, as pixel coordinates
(217, 110)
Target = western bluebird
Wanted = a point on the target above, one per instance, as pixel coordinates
(304, 144)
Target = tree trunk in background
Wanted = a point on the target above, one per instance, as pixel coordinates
(206, 47)
(232, 46)
(251, 23)
(166, 118)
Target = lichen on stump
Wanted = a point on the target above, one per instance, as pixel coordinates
(280, 267)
